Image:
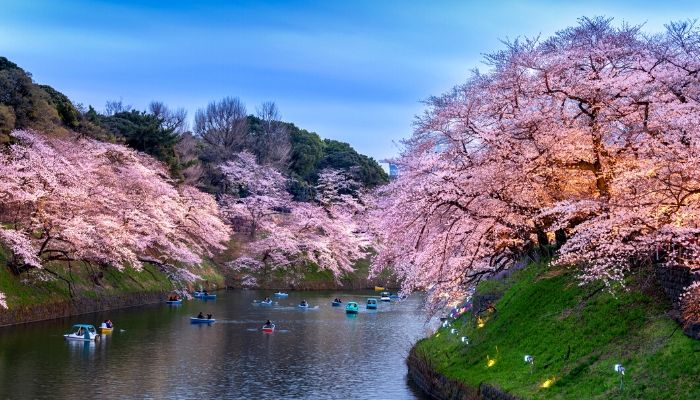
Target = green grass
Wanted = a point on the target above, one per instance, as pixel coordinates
(576, 334)
(27, 289)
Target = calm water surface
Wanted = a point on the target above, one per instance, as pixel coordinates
(155, 352)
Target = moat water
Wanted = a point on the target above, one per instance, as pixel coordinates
(154, 351)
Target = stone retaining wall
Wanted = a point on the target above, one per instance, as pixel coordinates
(674, 280)
(440, 387)
(83, 305)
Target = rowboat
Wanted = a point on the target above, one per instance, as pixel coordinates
(336, 303)
(268, 328)
(208, 297)
(103, 329)
(173, 302)
(196, 320)
(385, 296)
(266, 302)
(82, 332)
(304, 306)
(371, 303)
(352, 308)
(378, 288)
(281, 294)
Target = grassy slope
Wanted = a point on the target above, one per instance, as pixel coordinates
(24, 291)
(576, 335)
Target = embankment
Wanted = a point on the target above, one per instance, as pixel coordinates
(76, 306)
(77, 289)
(576, 335)
(311, 277)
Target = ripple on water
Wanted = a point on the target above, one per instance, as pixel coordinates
(315, 353)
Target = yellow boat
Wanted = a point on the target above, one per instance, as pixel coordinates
(378, 288)
(105, 330)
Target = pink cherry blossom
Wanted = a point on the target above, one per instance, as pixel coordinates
(80, 199)
(282, 233)
(590, 136)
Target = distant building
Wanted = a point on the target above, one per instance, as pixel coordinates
(393, 171)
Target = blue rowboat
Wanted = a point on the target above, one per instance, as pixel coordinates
(385, 296)
(266, 302)
(196, 320)
(174, 302)
(352, 308)
(303, 306)
(336, 303)
(208, 297)
(281, 294)
(371, 303)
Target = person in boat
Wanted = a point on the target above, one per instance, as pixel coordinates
(267, 300)
(303, 303)
(208, 316)
(205, 292)
(268, 324)
(104, 324)
(200, 315)
(110, 324)
(80, 332)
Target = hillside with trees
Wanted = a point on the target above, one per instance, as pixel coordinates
(87, 194)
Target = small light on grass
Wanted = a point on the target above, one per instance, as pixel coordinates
(548, 383)
(620, 370)
(530, 360)
(490, 362)
(453, 331)
(465, 340)
(480, 322)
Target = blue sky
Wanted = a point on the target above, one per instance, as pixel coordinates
(354, 71)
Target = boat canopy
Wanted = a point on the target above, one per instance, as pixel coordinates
(86, 326)
(371, 301)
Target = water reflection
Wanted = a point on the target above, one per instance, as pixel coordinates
(155, 351)
(81, 348)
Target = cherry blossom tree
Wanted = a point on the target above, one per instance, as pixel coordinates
(80, 200)
(259, 193)
(286, 233)
(587, 140)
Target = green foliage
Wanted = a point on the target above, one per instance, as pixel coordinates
(66, 111)
(342, 156)
(310, 155)
(307, 152)
(6, 64)
(24, 104)
(576, 334)
(7, 119)
(144, 132)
